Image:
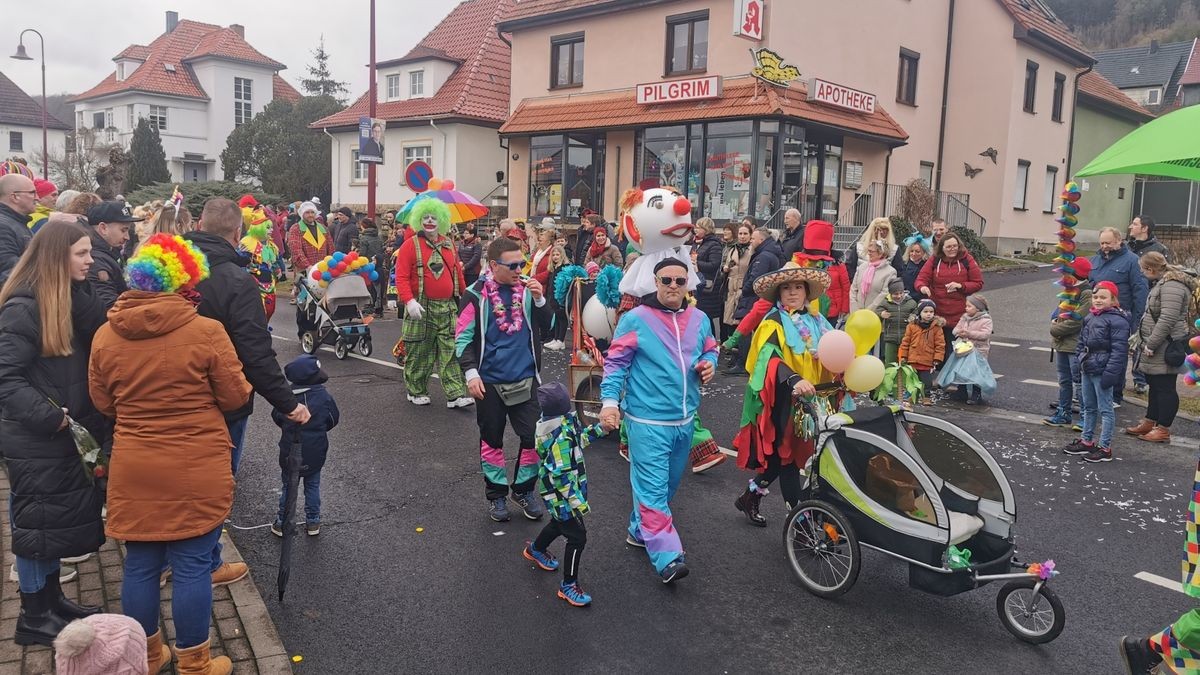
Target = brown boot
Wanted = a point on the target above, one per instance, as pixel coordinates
(197, 661)
(228, 573)
(748, 503)
(1157, 435)
(1143, 427)
(157, 654)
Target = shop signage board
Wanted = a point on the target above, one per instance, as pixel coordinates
(841, 97)
(674, 91)
(748, 18)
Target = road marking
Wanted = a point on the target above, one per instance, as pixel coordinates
(1159, 581)
(997, 375)
(379, 362)
(1039, 349)
(1004, 344)
(727, 451)
(1044, 383)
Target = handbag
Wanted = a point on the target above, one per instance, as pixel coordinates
(515, 393)
(1175, 353)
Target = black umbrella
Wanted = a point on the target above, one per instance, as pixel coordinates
(289, 514)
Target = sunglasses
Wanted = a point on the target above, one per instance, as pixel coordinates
(512, 266)
(673, 281)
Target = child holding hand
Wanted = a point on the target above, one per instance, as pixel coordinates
(895, 309)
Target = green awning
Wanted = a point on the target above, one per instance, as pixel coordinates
(1168, 146)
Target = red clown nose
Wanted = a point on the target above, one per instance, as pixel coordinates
(682, 206)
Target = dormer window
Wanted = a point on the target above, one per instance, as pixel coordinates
(120, 71)
(393, 87)
(416, 83)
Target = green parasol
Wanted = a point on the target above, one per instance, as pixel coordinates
(1168, 146)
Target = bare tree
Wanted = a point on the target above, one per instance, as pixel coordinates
(76, 166)
(917, 203)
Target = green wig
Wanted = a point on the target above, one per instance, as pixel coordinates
(426, 207)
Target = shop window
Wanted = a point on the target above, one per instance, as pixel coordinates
(663, 160)
(765, 170)
(1060, 88)
(926, 175)
(579, 180)
(545, 176)
(728, 170)
(566, 176)
(1022, 185)
(906, 79)
(566, 61)
(687, 43)
(1031, 72)
(1050, 190)
(831, 183)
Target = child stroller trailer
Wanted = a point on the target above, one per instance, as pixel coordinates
(921, 490)
(334, 315)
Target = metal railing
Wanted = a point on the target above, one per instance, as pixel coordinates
(881, 200)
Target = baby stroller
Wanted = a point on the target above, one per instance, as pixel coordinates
(921, 490)
(334, 315)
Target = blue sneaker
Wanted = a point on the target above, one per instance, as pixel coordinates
(1057, 421)
(542, 559)
(498, 510)
(573, 594)
(635, 541)
(678, 569)
(530, 503)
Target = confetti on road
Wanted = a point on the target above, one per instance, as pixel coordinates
(420, 530)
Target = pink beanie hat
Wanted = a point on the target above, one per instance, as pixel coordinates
(103, 643)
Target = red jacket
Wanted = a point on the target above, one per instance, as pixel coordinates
(937, 273)
(445, 287)
(542, 273)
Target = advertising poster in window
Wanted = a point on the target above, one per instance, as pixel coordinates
(727, 176)
(370, 140)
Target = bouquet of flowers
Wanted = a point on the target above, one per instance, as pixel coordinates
(95, 464)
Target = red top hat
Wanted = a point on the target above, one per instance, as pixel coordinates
(818, 241)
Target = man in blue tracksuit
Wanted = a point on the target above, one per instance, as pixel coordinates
(1116, 263)
(661, 353)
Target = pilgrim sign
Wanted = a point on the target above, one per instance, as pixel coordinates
(693, 89)
(842, 97)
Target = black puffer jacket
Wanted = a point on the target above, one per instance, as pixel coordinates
(768, 257)
(231, 296)
(105, 275)
(14, 238)
(55, 507)
(710, 298)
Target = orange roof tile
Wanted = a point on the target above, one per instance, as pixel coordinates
(741, 97)
(189, 40)
(282, 89)
(1095, 86)
(526, 9)
(1036, 17)
(478, 89)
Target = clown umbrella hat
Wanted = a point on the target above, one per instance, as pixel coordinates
(463, 207)
(1168, 146)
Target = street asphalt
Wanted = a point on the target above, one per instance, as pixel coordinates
(410, 575)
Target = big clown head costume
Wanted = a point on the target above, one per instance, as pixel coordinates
(657, 222)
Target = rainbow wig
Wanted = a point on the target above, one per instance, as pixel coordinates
(166, 264)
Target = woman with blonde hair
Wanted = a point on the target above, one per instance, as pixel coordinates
(880, 229)
(48, 315)
(168, 220)
(80, 204)
(1161, 343)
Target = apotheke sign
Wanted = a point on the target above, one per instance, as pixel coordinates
(842, 97)
(695, 89)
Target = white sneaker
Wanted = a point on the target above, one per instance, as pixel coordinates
(77, 559)
(556, 345)
(418, 400)
(461, 402)
(65, 574)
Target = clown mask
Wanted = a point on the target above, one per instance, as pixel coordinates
(429, 225)
(656, 219)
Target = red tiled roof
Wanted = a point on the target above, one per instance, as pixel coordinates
(478, 89)
(19, 109)
(1097, 87)
(281, 88)
(420, 53)
(140, 52)
(1192, 74)
(1036, 16)
(530, 8)
(189, 40)
(741, 97)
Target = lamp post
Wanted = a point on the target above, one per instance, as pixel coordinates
(22, 56)
(372, 167)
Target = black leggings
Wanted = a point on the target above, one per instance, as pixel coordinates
(1164, 399)
(789, 478)
(576, 535)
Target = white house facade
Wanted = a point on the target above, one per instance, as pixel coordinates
(21, 127)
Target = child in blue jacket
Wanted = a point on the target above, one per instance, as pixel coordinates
(1103, 353)
(308, 384)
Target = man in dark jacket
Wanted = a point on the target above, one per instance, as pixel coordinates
(18, 198)
(1116, 263)
(230, 296)
(584, 236)
(470, 254)
(370, 246)
(344, 230)
(109, 224)
(793, 235)
(1142, 240)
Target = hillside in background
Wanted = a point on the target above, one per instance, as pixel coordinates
(1108, 24)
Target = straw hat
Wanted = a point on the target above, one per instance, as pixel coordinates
(815, 280)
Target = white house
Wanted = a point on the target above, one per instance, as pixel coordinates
(443, 102)
(196, 82)
(21, 127)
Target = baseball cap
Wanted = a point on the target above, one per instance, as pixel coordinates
(111, 212)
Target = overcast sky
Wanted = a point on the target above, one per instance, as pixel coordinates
(82, 36)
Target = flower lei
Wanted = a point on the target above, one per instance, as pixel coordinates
(508, 319)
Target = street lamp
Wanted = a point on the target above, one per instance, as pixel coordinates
(22, 56)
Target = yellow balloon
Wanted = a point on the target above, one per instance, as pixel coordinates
(864, 328)
(864, 374)
(323, 266)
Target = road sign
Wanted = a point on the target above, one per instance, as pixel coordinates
(417, 176)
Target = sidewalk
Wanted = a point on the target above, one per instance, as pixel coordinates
(241, 628)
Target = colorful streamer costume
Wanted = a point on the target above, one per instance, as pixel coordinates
(1179, 643)
(265, 264)
(650, 369)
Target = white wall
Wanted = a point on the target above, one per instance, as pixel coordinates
(216, 77)
(436, 73)
(31, 140)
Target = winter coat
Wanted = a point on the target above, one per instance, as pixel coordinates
(55, 509)
(857, 258)
(304, 254)
(541, 271)
(344, 236)
(562, 475)
(977, 329)
(738, 264)
(908, 271)
(471, 256)
(923, 348)
(709, 298)
(1064, 333)
(792, 241)
(609, 256)
(839, 291)
(767, 257)
(879, 284)
(14, 239)
(314, 434)
(899, 313)
(474, 313)
(370, 246)
(1166, 319)
(230, 295)
(938, 272)
(1141, 248)
(105, 274)
(169, 476)
(1121, 268)
(1103, 347)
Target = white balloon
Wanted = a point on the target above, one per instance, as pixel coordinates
(598, 320)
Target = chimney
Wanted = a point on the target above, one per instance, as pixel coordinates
(172, 20)
(1154, 46)
(239, 29)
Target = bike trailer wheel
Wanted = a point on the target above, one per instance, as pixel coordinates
(1033, 614)
(822, 548)
(308, 342)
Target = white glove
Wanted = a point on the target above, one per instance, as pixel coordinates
(414, 309)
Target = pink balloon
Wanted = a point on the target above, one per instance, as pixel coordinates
(447, 184)
(836, 351)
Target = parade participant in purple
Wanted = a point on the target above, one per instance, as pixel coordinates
(661, 353)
